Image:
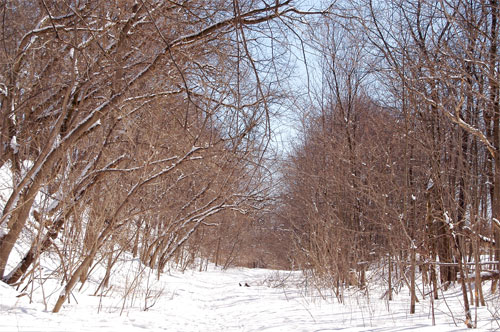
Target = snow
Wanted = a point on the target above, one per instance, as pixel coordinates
(213, 301)
(430, 184)
(448, 221)
(4, 90)
(95, 125)
(5, 191)
(13, 144)
(496, 221)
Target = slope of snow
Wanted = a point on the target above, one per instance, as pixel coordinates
(214, 301)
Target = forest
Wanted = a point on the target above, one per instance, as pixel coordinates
(154, 129)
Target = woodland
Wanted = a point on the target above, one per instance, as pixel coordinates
(152, 129)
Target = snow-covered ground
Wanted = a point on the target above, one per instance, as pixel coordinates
(213, 300)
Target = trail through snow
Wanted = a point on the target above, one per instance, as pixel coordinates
(214, 301)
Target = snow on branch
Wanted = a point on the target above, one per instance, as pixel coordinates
(496, 222)
(252, 17)
(154, 95)
(481, 237)
(456, 118)
(450, 224)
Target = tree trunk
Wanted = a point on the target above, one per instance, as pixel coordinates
(390, 279)
(19, 219)
(413, 295)
(463, 280)
(434, 280)
(35, 250)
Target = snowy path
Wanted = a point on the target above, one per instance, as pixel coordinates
(213, 301)
(219, 304)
